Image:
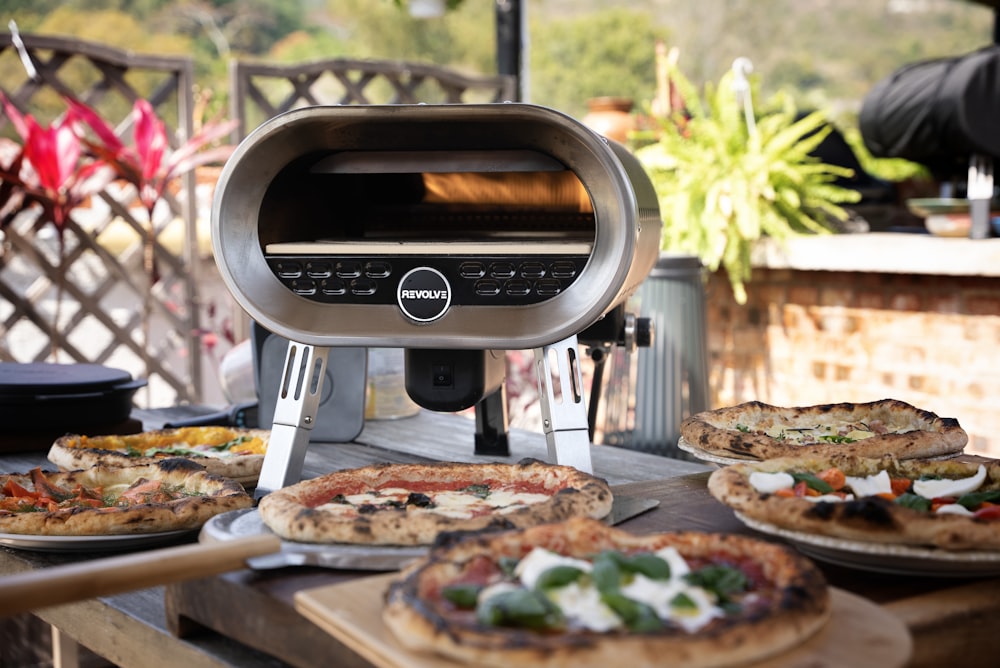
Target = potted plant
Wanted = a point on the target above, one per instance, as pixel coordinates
(728, 173)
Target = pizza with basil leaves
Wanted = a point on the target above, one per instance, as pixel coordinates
(758, 431)
(579, 593)
(950, 504)
(226, 451)
(410, 504)
(170, 495)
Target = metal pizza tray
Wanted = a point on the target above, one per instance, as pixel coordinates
(247, 522)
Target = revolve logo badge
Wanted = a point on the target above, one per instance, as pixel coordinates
(423, 294)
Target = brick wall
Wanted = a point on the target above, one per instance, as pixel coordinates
(809, 337)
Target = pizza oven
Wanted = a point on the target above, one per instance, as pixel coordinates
(455, 232)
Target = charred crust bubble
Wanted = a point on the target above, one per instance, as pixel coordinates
(821, 510)
(419, 500)
(179, 464)
(528, 462)
(871, 510)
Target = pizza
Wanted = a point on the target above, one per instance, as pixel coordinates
(756, 430)
(582, 594)
(227, 451)
(410, 504)
(170, 495)
(948, 504)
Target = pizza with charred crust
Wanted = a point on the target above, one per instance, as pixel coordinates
(581, 594)
(227, 451)
(950, 504)
(170, 495)
(410, 504)
(759, 431)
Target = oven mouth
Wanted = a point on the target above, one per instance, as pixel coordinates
(427, 203)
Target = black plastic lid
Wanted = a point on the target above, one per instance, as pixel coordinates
(27, 379)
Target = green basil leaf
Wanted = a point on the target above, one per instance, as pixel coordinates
(648, 564)
(477, 489)
(558, 576)
(222, 447)
(973, 500)
(607, 572)
(915, 501)
(813, 482)
(683, 602)
(462, 595)
(721, 580)
(637, 616)
(520, 608)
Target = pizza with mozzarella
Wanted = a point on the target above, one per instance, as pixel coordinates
(170, 495)
(410, 504)
(579, 593)
(951, 504)
(227, 451)
(755, 430)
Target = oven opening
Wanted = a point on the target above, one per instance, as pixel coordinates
(514, 202)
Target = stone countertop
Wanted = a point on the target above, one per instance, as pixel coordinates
(883, 252)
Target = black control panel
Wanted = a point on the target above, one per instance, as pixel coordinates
(485, 281)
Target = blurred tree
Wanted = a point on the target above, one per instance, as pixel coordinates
(244, 26)
(607, 52)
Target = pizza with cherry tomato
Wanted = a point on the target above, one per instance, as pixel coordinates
(579, 593)
(949, 504)
(755, 430)
(170, 495)
(410, 504)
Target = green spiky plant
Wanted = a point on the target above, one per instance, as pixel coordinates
(725, 180)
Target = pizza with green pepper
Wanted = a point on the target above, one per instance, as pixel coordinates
(950, 504)
(579, 593)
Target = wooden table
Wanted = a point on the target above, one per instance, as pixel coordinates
(128, 629)
(246, 618)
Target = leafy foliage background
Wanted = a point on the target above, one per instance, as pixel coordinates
(828, 53)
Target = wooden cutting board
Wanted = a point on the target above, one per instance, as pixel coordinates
(859, 634)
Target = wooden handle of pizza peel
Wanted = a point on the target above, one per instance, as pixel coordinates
(23, 592)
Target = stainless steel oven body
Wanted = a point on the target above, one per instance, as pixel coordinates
(433, 228)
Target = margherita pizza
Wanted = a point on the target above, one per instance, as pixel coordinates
(227, 451)
(949, 504)
(410, 504)
(582, 594)
(755, 430)
(171, 495)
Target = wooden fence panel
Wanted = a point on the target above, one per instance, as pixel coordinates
(104, 289)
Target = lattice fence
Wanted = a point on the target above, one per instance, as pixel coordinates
(97, 314)
(261, 91)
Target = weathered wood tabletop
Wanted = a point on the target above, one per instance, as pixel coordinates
(246, 618)
(128, 629)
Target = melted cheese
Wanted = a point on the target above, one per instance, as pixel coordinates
(935, 489)
(768, 483)
(870, 485)
(458, 504)
(581, 602)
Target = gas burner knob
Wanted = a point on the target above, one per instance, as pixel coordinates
(645, 330)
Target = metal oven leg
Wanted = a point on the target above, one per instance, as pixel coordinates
(564, 412)
(294, 417)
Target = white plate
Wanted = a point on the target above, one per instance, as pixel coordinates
(884, 557)
(90, 543)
